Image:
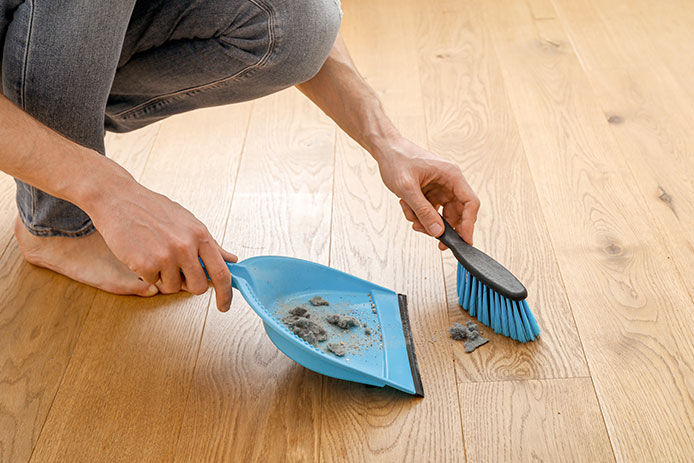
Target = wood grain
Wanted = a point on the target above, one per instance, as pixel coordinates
(469, 121)
(41, 316)
(630, 304)
(652, 123)
(633, 34)
(546, 420)
(123, 394)
(371, 239)
(8, 210)
(248, 401)
(571, 121)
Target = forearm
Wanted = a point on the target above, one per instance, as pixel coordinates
(343, 94)
(35, 154)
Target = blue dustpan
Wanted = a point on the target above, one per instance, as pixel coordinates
(274, 285)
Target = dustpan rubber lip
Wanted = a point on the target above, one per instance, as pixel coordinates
(409, 343)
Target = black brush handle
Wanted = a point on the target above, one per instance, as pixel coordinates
(481, 266)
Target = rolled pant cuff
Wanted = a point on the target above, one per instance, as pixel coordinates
(84, 230)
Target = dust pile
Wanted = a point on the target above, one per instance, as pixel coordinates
(468, 333)
(315, 320)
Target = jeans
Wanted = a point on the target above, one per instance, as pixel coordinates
(85, 66)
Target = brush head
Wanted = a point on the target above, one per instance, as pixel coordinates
(509, 318)
(488, 291)
(485, 269)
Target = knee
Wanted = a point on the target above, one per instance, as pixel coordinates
(306, 33)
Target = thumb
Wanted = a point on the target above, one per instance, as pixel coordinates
(144, 289)
(426, 213)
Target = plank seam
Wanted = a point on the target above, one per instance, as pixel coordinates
(656, 221)
(81, 330)
(551, 240)
(209, 297)
(443, 270)
(520, 380)
(319, 448)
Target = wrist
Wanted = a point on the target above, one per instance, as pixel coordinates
(384, 146)
(105, 180)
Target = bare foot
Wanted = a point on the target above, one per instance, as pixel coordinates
(86, 259)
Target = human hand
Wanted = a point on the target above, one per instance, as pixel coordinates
(160, 240)
(425, 182)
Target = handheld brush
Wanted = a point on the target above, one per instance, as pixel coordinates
(488, 291)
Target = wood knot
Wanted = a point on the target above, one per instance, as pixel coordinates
(443, 55)
(615, 119)
(665, 197)
(613, 249)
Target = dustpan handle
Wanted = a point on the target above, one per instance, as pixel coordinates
(238, 273)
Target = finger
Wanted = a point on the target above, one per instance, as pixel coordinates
(471, 205)
(227, 256)
(425, 212)
(467, 219)
(219, 275)
(170, 280)
(467, 224)
(149, 275)
(407, 210)
(195, 281)
(410, 215)
(452, 212)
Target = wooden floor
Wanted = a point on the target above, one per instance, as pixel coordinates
(572, 119)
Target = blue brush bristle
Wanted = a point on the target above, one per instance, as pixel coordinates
(509, 318)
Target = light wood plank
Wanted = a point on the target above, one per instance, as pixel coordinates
(123, 394)
(670, 27)
(632, 34)
(248, 401)
(8, 210)
(469, 121)
(630, 304)
(548, 420)
(652, 123)
(372, 240)
(41, 316)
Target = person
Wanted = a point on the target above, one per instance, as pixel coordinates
(73, 69)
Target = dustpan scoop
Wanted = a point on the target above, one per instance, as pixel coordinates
(274, 285)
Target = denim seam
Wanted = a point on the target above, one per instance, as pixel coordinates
(25, 64)
(169, 96)
(22, 87)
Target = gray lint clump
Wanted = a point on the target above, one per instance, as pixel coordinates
(468, 333)
(300, 311)
(337, 349)
(298, 322)
(317, 300)
(343, 322)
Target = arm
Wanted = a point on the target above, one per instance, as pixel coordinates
(422, 181)
(154, 236)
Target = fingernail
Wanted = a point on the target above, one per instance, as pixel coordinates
(436, 229)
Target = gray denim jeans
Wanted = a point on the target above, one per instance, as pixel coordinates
(85, 66)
